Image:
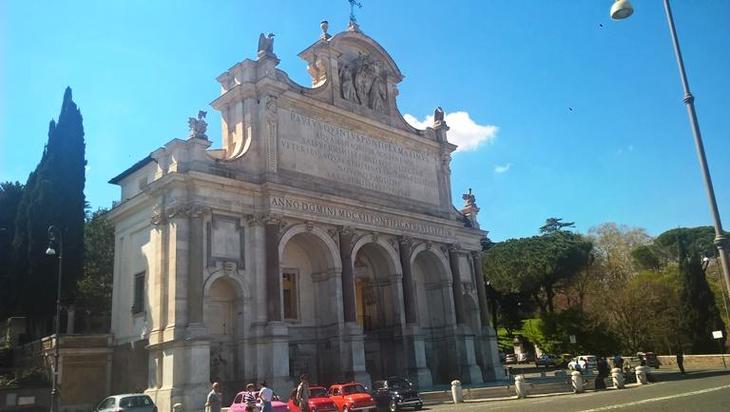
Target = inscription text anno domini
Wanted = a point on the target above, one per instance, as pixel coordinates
(320, 149)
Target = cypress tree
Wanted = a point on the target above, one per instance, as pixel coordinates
(54, 195)
(10, 195)
(699, 315)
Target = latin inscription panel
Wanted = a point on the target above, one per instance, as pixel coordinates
(316, 148)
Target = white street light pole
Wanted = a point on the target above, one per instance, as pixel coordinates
(622, 9)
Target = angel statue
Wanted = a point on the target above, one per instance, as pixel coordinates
(266, 44)
(198, 126)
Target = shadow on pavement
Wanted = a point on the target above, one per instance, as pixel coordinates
(677, 376)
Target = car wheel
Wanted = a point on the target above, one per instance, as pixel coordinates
(418, 407)
(393, 406)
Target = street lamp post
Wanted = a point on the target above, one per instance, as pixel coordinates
(55, 238)
(622, 9)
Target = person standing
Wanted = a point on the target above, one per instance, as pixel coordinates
(213, 403)
(266, 394)
(602, 366)
(680, 361)
(249, 398)
(302, 396)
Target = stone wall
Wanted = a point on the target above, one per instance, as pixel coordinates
(129, 368)
(696, 361)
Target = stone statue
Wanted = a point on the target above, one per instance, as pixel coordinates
(377, 95)
(266, 44)
(198, 126)
(363, 80)
(438, 115)
(469, 199)
(347, 86)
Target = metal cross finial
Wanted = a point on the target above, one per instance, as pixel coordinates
(353, 3)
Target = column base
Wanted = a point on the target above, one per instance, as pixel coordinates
(353, 354)
(415, 350)
(469, 370)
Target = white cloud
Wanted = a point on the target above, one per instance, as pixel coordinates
(463, 131)
(502, 168)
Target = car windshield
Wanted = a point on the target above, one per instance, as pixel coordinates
(353, 389)
(317, 393)
(397, 384)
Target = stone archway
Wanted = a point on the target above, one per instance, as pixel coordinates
(435, 312)
(222, 316)
(378, 303)
(310, 285)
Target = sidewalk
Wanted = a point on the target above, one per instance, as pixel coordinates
(540, 387)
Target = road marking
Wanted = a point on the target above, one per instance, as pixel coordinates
(663, 398)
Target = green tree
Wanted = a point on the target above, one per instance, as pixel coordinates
(54, 195)
(555, 224)
(95, 287)
(699, 315)
(665, 248)
(537, 266)
(10, 195)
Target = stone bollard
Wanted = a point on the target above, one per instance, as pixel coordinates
(178, 407)
(577, 380)
(520, 386)
(641, 374)
(617, 375)
(456, 394)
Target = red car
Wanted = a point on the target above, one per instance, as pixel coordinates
(351, 397)
(318, 400)
(239, 405)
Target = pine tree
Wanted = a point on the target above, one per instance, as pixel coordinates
(699, 315)
(54, 195)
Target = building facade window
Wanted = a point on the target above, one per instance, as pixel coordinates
(290, 295)
(138, 302)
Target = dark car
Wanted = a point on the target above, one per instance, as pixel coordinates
(396, 393)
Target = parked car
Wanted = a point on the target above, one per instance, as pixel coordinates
(649, 357)
(591, 361)
(524, 357)
(130, 402)
(319, 401)
(351, 397)
(547, 359)
(239, 405)
(510, 358)
(396, 393)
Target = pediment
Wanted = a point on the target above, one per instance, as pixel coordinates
(352, 71)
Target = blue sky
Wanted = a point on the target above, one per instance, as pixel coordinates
(624, 153)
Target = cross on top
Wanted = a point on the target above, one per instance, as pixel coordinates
(353, 3)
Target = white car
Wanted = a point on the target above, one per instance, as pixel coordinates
(591, 361)
(131, 402)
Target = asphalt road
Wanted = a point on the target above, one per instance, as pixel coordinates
(696, 391)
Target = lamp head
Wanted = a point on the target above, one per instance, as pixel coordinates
(621, 9)
(50, 251)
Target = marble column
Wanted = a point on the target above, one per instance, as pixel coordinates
(273, 275)
(405, 247)
(476, 257)
(348, 277)
(456, 285)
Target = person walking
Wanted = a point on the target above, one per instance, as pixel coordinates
(302, 396)
(249, 398)
(266, 394)
(213, 403)
(680, 361)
